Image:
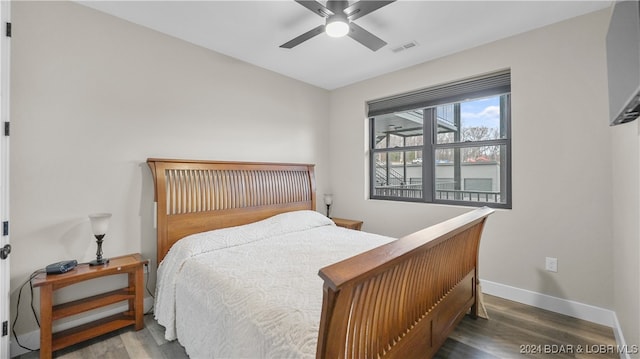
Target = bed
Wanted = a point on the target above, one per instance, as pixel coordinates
(249, 269)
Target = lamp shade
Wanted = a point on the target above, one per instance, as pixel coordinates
(328, 199)
(99, 223)
(337, 26)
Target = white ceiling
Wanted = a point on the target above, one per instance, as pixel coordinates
(252, 31)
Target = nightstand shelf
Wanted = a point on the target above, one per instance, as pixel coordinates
(132, 265)
(82, 305)
(347, 223)
(90, 330)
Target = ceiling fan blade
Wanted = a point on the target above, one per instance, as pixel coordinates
(304, 37)
(316, 7)
(362, 8)
(365, 37)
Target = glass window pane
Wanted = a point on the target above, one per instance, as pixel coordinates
(398, 130)
(468, 121)
(471, 174)
(466, 148)
(446, 124)
(398, 174)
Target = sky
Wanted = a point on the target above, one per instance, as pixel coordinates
(482, 112)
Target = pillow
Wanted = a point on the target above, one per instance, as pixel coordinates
(292, 222)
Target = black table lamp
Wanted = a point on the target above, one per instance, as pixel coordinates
(328, 200)
(99, 225)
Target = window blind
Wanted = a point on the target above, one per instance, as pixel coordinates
(488, 85)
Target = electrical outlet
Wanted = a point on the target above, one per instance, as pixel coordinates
(146, 268)
(551, 264)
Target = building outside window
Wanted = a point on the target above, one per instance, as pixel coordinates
(448, 144)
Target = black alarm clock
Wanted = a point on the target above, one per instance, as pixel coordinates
(61, 267)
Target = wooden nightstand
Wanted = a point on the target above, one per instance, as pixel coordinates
(347, 223)
(132, 264)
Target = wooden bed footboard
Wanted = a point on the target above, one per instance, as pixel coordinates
(402, 299)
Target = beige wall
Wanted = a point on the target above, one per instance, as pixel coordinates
(93, 97)
(561, 205)
(625, 141)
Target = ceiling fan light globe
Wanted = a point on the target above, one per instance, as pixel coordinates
(337, 27)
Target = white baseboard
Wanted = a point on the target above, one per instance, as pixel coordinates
(617, 332)
(32, 339)
(563, 306)
(558, 305)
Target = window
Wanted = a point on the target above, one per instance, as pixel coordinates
(448, 144)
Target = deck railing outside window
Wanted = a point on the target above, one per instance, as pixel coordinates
(415, 191)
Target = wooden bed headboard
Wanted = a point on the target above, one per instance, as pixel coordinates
(195, 196)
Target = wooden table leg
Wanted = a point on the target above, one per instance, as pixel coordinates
(139, 298)
(46, 322)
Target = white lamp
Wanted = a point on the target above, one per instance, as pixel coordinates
(328, 200)
(99, 226)
(337, 25)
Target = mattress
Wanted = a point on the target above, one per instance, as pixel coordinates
(253, 291)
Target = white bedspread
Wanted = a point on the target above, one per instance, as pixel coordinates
(253, 291)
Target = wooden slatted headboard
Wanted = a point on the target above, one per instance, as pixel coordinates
(196, 196)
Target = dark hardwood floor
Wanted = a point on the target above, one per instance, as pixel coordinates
(517, 330)
(513, 330)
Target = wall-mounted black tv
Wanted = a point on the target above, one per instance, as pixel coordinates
(623, 62)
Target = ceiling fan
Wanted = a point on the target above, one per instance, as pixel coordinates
(339, 21)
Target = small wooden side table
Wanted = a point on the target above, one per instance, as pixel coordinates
(131, 264)
(347, 223)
